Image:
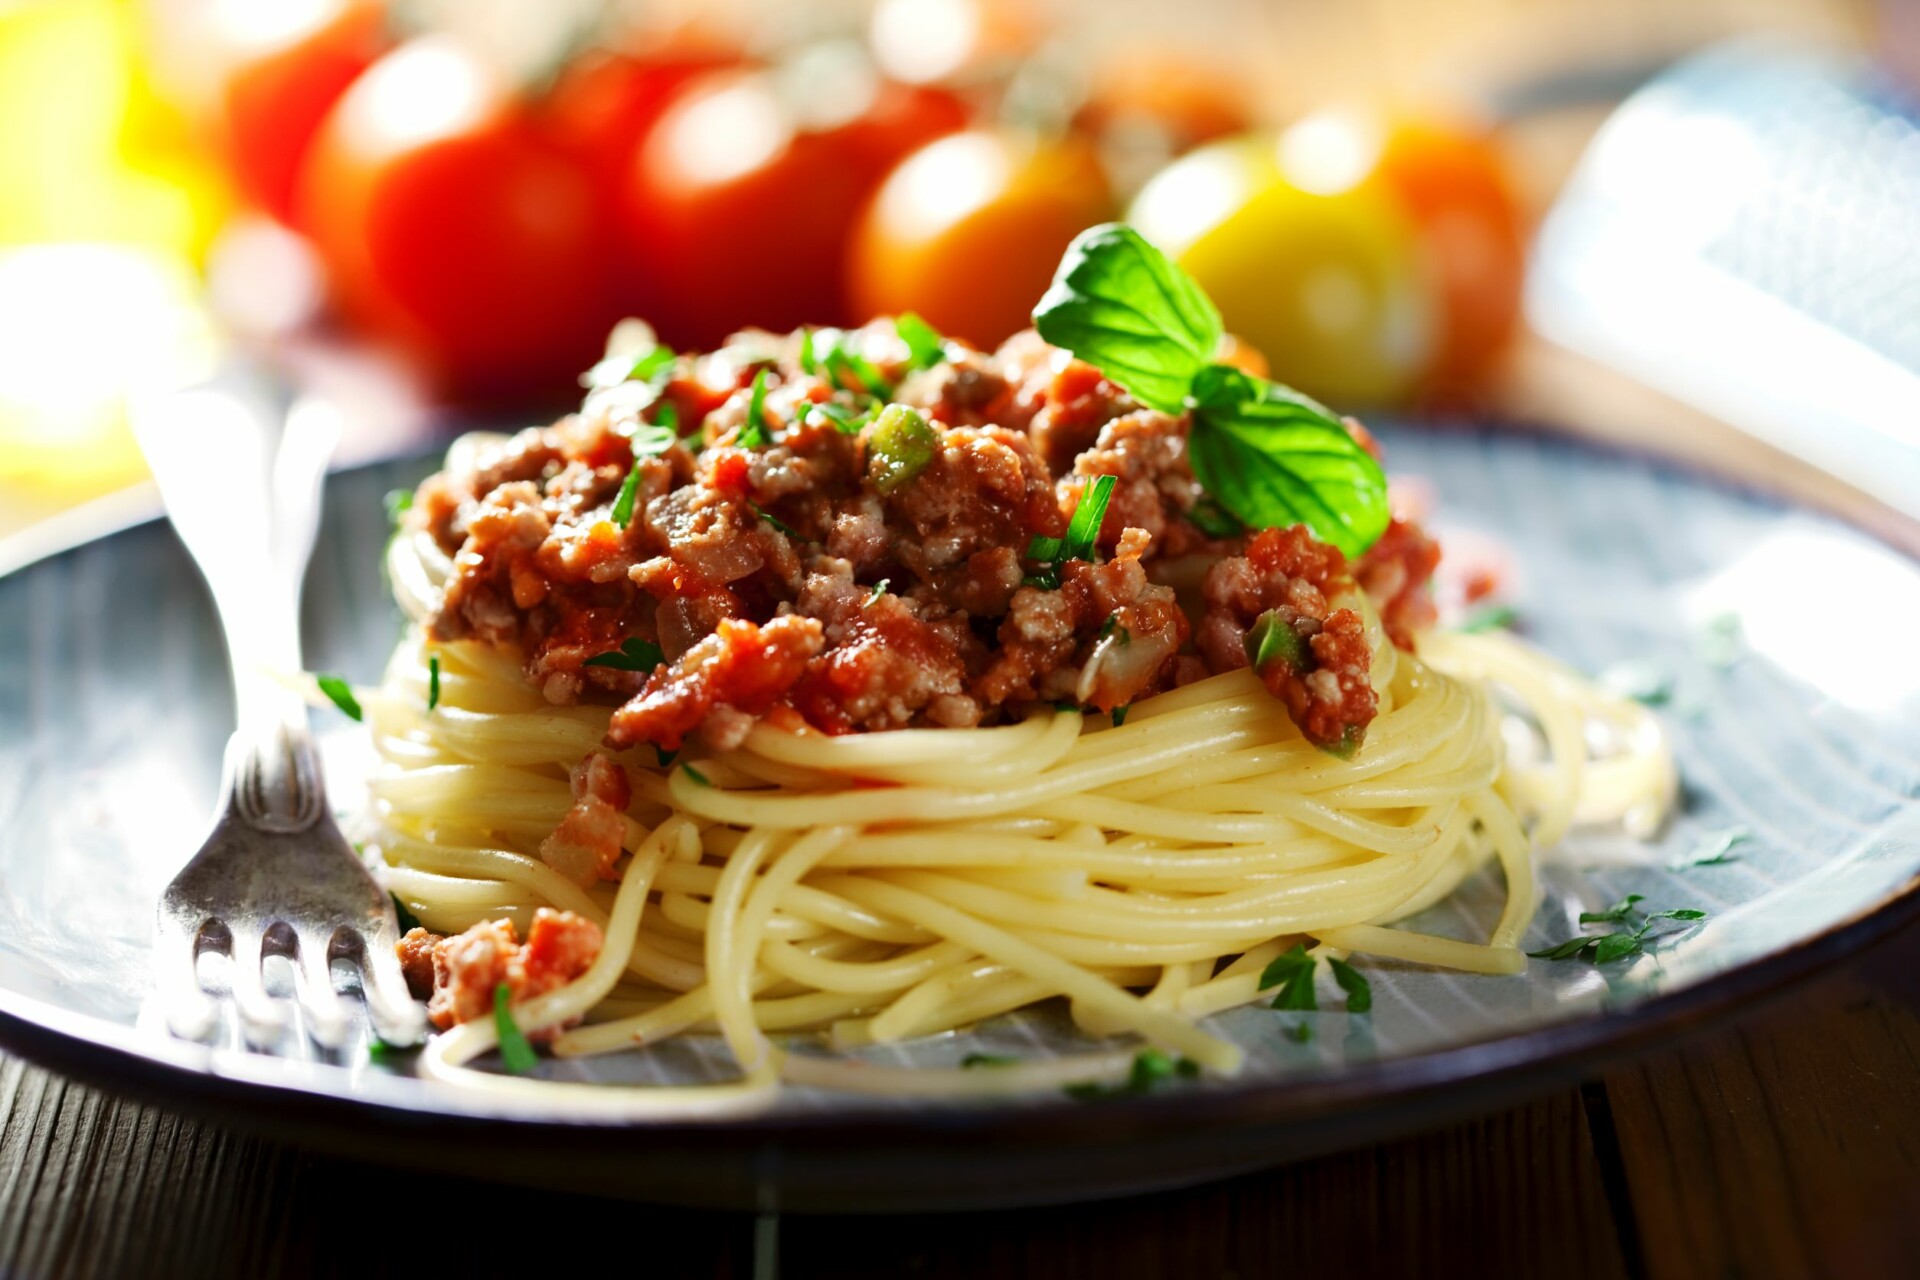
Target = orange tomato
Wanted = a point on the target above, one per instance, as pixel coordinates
(453, 225)
(1454, 183)
(968, 230)
(280, 82)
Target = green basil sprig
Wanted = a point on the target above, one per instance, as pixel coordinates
(1268, 454)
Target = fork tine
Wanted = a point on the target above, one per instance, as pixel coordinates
(395, 1013)
(189, 1011)
(327, 1020)
(262, 1018)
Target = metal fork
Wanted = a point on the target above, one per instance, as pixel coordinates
(276, 876)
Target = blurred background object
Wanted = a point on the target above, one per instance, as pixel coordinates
(437, 208)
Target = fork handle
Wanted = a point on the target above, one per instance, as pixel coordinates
(245, 500)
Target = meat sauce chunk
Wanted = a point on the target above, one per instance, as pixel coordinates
(808, 566)
(467, 968)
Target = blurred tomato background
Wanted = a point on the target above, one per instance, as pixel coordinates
(452, 201)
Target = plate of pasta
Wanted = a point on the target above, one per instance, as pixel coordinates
(858, 769)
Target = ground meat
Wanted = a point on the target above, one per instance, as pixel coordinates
(415, 950)
(469, 967)
(743, 665)
(1289, 575)
(587, 843)
(781, 569)
(1396, 573)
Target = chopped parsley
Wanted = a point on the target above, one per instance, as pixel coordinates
(1495, 617)
(1119, 715)
(634, 654)
(433, 681)
(649, 366)
(516, 1054)
(1151, 1069)
(622, 513)
(1714, 850)
(340, 693)
(1082, 539)
(398, 503)
(848, 422)
(1644, 681)
(777, 523)
(1271, 640)
(1354, 983)
(844, 366)
(664, 756)
(1300, 1032)
(1606, 948)
(976, 1060)
(753, 432)
(699, 778)
(925, 347)
(1112, 627)
(879, 589)
(809, 362)
(1292, 972)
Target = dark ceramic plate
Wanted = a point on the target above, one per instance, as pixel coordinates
(1795, 712)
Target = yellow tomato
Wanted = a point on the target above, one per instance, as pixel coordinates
(967, 231)
(1317, 268)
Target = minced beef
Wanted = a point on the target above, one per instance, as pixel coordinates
(793, 563)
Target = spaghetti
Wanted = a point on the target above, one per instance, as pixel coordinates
(886, 886)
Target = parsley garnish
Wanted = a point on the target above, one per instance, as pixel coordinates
(1643, 681)
(777, 523)
(753, 432)
(1605, 948)
(1082, 537)
(1112, 627)
(1292, 972)
(1715, 849)
(699, 778)
(341, 694)
(809, 363)
(1270, 455)
(648, 366)
(1494, 617)
(974, 1060)
(516, 1054)
(848, 422)
(408, 920)
(1119, 715)
(664, 756)
(1354, 983)
(1151, 1068)
(433, 681)
(622, 513)
(398, 503)
(1300, 1032)
(925, 347)
(843, 364)
(879, 589)
(634, 654)
(1272, 639)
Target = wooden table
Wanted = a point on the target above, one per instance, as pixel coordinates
(1786, 1143)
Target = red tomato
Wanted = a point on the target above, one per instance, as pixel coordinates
(454, 226)
(1455, 186)
(282, 80)
(605, 101)
(968, 230)
(737, 207)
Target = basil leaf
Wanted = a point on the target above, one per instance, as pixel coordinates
(925, 347)
(516, 1054)
(1273, 457)
(1354, 983)
(1564, 950)
(341, 695)
(1123, 306)
(634, 654)
(1616, 946)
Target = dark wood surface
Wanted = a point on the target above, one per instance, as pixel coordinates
(1785, 1143)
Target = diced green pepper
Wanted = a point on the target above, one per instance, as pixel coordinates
(900, 447)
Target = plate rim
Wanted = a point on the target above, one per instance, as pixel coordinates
(140, 1062)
